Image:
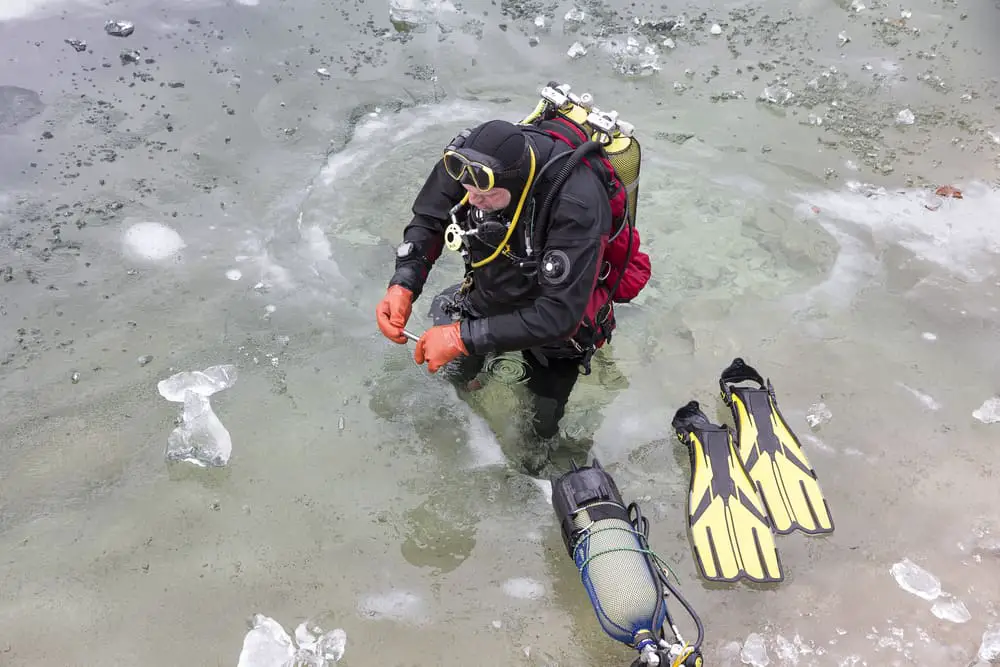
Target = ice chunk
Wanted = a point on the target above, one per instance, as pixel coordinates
(408, 15)
(989, 650)
(989, 411)
(754, 651)
(905, 117)
(207, 382)
(119, 28)
(818, 414)
(266, 645)
(234, 274)
(776, 95)
(318, 648)
(201, 438)
(632, 55)
(915, 579)
(787, 652)
(716, 29)
(949, 608)
(576, 50)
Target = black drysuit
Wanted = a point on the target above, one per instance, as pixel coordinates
(507, 310)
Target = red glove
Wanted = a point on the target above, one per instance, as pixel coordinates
(393, 312)
(439, 345)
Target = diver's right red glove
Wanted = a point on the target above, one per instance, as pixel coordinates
(393, 312)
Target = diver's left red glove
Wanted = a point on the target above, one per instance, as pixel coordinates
(439, 345)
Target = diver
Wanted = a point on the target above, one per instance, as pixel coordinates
(531, 207)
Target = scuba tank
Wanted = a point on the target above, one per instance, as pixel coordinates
(626, 582)
(615, 135)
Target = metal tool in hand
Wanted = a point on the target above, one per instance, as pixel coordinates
(412, 336)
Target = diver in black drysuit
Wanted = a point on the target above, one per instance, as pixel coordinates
(506, 307)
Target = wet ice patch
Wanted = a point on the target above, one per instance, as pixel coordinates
(925, 399)
(376, 129)
(17, 104)
(954, 235)
(545, 486)
(267, 644)
(395, 605)
(152, 241)
(524, 588)
(483, 442)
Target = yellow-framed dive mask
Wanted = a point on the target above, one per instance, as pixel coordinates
(470, 167)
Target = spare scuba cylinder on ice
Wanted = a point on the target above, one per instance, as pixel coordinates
(627, 583)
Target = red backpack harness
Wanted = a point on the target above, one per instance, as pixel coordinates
(623, 269)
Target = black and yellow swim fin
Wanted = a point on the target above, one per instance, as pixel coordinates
(729, 527)
(773, 456)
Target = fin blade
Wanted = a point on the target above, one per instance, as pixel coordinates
(727, 522)
(777, 464)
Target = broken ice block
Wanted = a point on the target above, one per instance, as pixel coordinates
(207, 382)
(266, 645)
(201, 439)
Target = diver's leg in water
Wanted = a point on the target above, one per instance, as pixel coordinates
(550, 383)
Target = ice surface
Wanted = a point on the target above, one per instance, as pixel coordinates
(927, 400)
(524, 588)
(915, 579)
(201, 439)
(207, 382)
(152, 241)
(396, 605)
